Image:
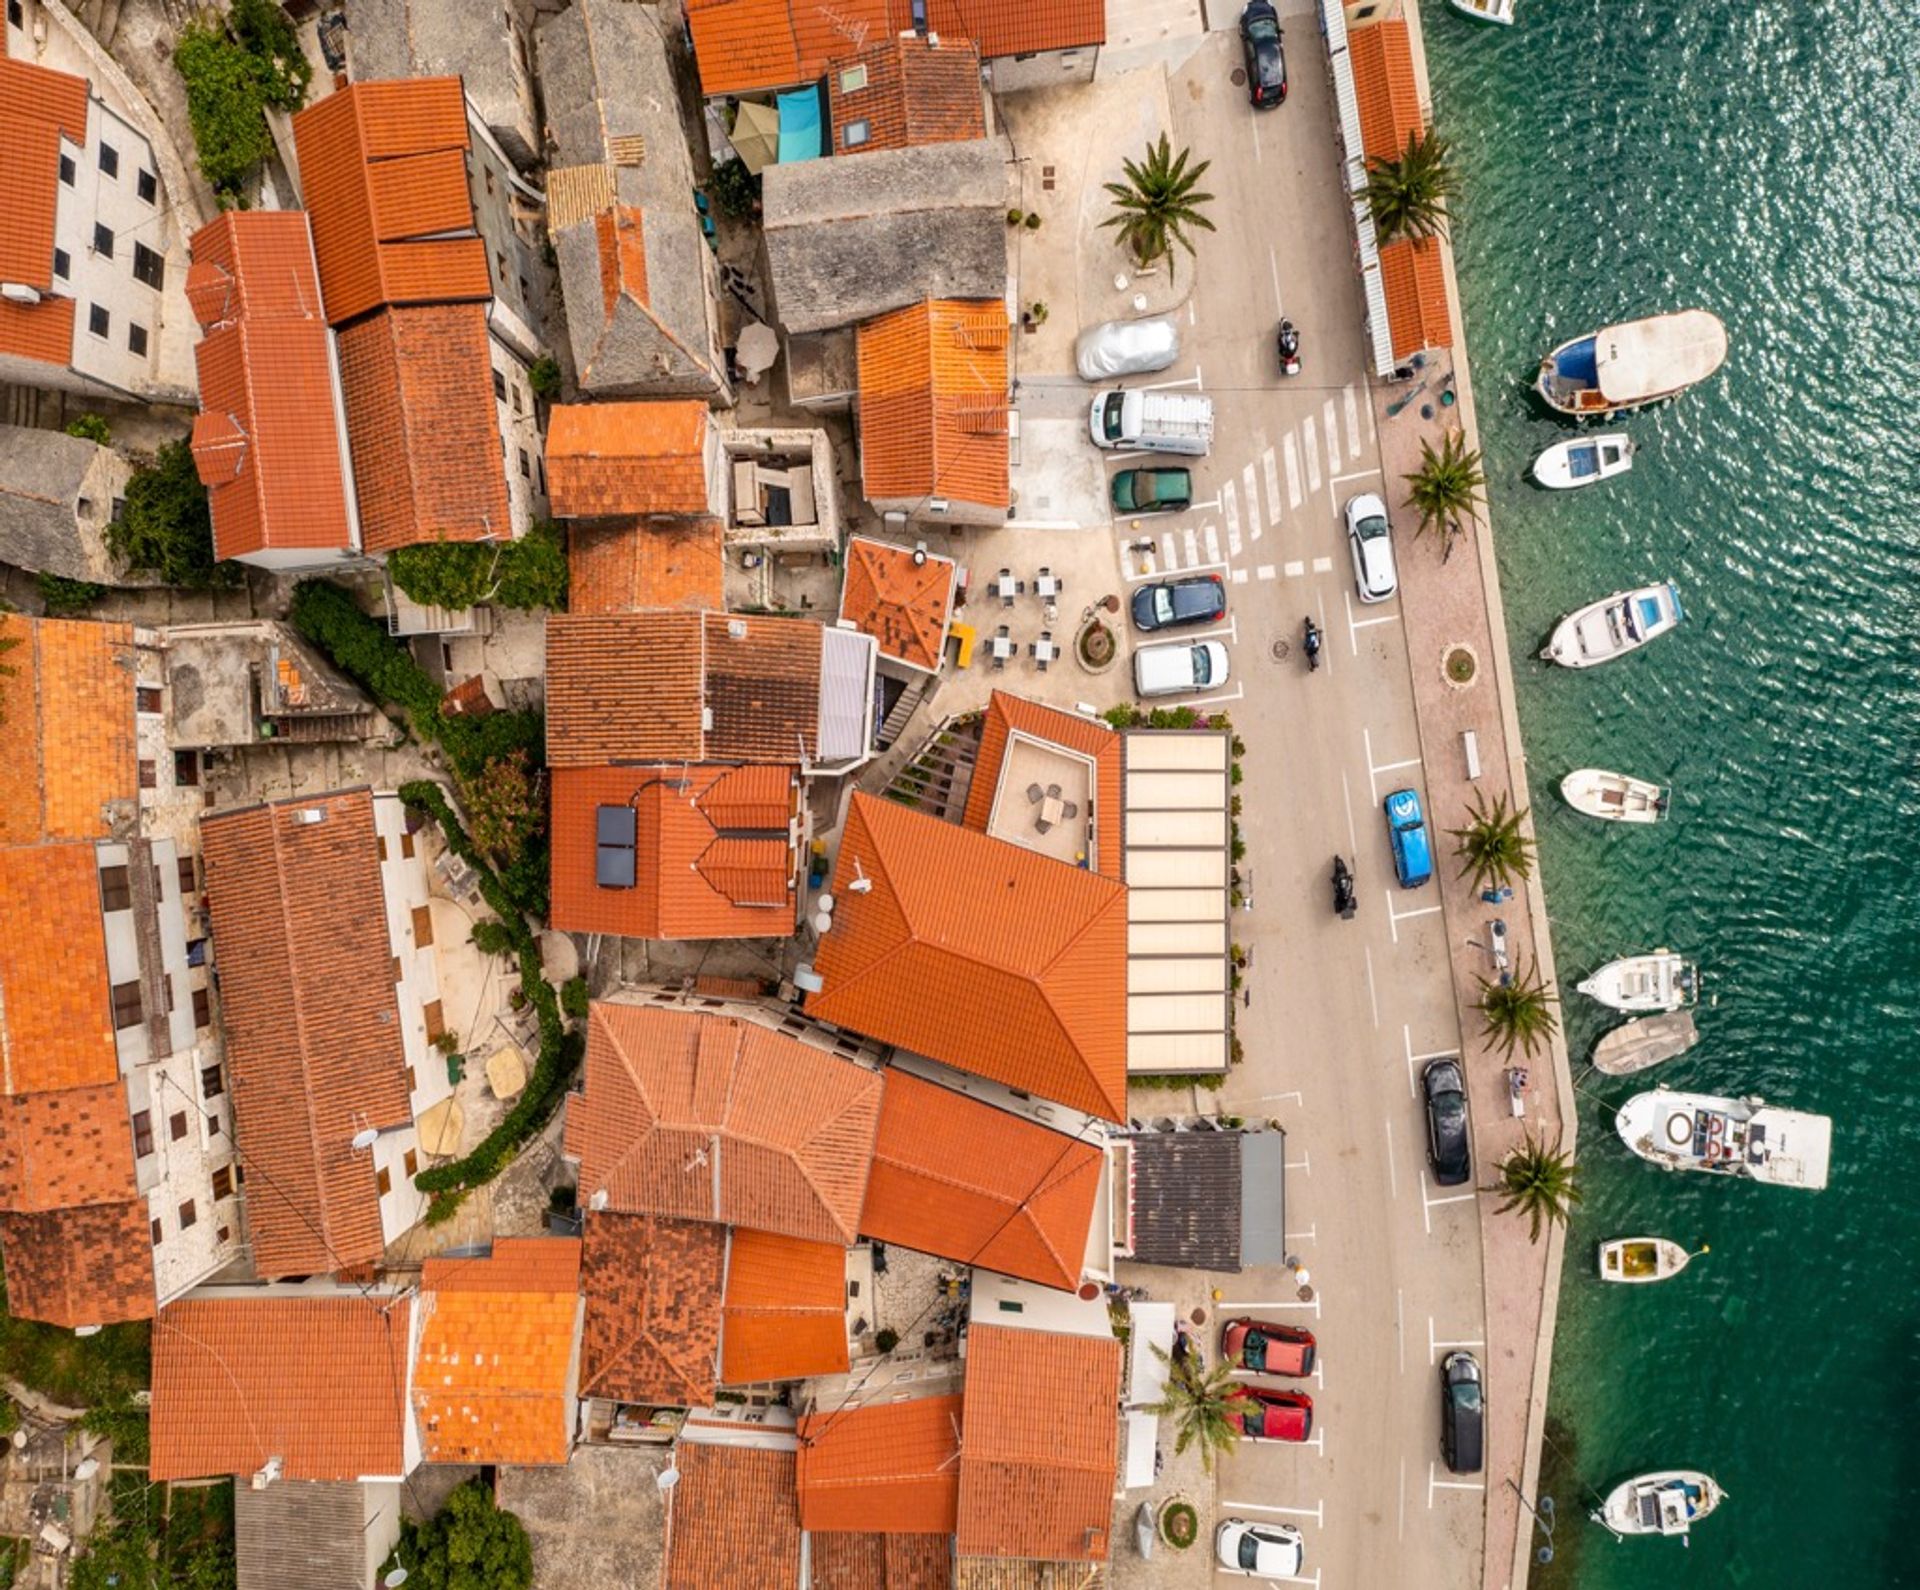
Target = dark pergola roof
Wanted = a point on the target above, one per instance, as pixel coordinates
(1209, 1200)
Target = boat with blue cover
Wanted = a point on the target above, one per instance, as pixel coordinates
(1614, 626)
(1629, 365)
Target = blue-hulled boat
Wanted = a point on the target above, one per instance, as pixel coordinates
(1632, 364)
(1614, 626)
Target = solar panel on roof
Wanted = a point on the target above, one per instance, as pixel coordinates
(614, 825)
(613, 854)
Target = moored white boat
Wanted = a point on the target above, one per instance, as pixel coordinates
(1666, 1502)
(1614, 626)
(1500, 11)
(1727, 1137)
(1640, 1261)
(1645, 1041)
(1633, 363)
(1584, 461)
(1613, 797)
(1660, 981)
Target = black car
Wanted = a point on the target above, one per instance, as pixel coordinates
(1166, 604)
(1266, 60)
(1448, 1150)
(1463, 1413)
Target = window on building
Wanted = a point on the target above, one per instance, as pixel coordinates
(142, 1133)
(16, 14)
(526, 465)
(202, 1010)
(149, 774)
(128, 1008)
(189, 881)
(500, 385)
(149, 266)
(147, 185)
(406, 843)
(156, 1233)
(517, 406)
(540, 474)
(62, 264)
(436, 1021)
(223, 1183)
(422, 926)
(137, 341)
(116, 889)
(186, 768)
(409, 1079)
(412, 1161)
(212, 1084)
(99, 322)
(855, 133)
(223, 1234)
(213, 1126)
(384, 1181)
(177, 1125)
(196, 952)
(188, 1215)
(146, 698)
(109, 161)
(500, 267)
(103, 239)
(488, 174)
(67, 170)
(380, 844)
(167, 983)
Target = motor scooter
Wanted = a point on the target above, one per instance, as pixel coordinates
(1311, 645)
(1289, 344)
(1345, 901)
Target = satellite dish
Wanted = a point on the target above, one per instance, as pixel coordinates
(667, 1478)
(822, 921)
(395, 1578)
(364, 1139)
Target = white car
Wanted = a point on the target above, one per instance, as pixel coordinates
(1126, 347)
(1176, 668)
(1259, 1551)
(1371, 539)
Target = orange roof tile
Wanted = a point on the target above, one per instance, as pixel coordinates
(314, 1381)
(1011, 27)
(742, 45)
(903, 605)
(313, 1033)
(915, 91)
(985, 955)
(56, 1005)
(732, 1519)
(933, 402)
(652, 1287)
(962, 1180)
(60, 1149)
(1008, 715)
(617, 568)
(711, 1118)
(620, 231)
(37, 106)
(267, 399)
(1039, 1445)
(1415, 279)
(68, 766)
(888, 1468)
(785, 1311)
(87, 1265)
(493, 1379)
(42, 331)
(607, 459)
(1384, 88)
(715, 851)
(843, 1560)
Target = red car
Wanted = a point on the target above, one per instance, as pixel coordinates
(1276, 1415)
(1267, 1349)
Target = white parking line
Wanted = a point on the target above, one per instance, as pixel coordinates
(1351, 400)
(1237, 693)
(1353, 838)
(1253, 500)
(1292, 449)
(1394, 767)
(1428, 1205)
(1403, 1493)
(1265, 571)
(1330, 423)
(1358, 474)
(1212, 539)
(1309, 444)
(1204, 507)
(1373, 998)
(1270, 468)
(1239, 576)
(1230, 506)
(1393, 1176)
(1435, 1483)
(1414, 1061)
(1167, 386)
(1434, 1344)
(1323, 565)
(1190, 539)
(1311, 1234)
(1304, 1165)
(1317, 1512)
(1395, 918)
(1295, 568)
(1273, 265)
(1297, 1097)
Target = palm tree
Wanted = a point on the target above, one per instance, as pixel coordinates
(1157, 203)
(1519, 1013)
(1445, 485)
(1492, 849)
(1538, 1181)
(1205, 1404)
(1408, 194)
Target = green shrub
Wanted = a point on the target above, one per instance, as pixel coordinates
(543, 375)
(267, 34)
(165, 530)
(492, 938)
(886, 1340)
(528, 573)
(736, 190)
(573, 998)
(225, 106)
(61, 596)
(91, 428)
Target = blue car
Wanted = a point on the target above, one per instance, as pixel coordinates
(1412, 853)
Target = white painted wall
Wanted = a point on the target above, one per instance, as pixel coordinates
(519, 437)
(93, 278)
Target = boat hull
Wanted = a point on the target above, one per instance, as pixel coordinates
(1614, 626)
(1613, 797)
(1567, 465)
(1500, 11)
(1624, 1514)
(1727, 1137)
(1640, 1261)
(1624, 367)
(1645, 1041)
(1642, 984)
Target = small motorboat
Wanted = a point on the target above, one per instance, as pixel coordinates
(1633, 363)
(1728, 1137)
(1613, 797)
(1584, 462)
(1660, 981)
(1645, 1041)
(1638, 1261)
(1667, 1502)
(1500, 11)
(1614, 626)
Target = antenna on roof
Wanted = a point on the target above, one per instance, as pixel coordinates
(395, 1578)
(861, 884)
(364, 1139)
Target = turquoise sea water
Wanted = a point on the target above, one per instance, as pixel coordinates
(1762, 159)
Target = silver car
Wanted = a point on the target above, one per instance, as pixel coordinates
(1126, 347)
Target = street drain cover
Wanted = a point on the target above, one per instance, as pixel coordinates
(1282, 650)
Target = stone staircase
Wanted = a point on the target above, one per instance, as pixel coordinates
(895, 722)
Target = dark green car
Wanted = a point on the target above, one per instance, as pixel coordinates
(1152, 490)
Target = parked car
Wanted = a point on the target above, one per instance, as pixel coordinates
(1152, 490)
(1266, 58)
(1407, 831)
(1152, 422)
(1167, 604)
(1267, 1349)
(1370, 539)
(1463, 1412)
(1259, 1551)
(1179, 666)
(1449, 1150)
(1276, 1415)
(1126, 347)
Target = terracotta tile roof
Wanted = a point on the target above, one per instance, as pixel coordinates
(888, 1468)
(710, 1118)
(915, 92)
(1384, 88)
(985, 955)
(652, 563)
(743, 45)
(962, 1180)
(715, 851)
(267, 401)
(87, 1265)
(621, 234)
(847, 1561)
(42, 331)
(68, 767)
(632, 687)
(56, 1004)
(493, 1379)
(422, 426)
(615, 459)
(785, 1312)
(903, 606)
(67, 1148)
(933, 402)
(383, 166)
(653, 1309)
(1008, 715)
(1415, 279)
(314, 1050)
(1014, 1573)
(315, 1381)
(1011, 27)
(37, 106)
(1039, 1446)
(732, 1519)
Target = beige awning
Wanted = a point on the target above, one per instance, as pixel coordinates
(756, 136)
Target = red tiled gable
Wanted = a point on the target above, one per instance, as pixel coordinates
(965, 1181)
(743, 45)
(710, 1118)
(1415, 279)
(1384, 88)
(56, 1003)
(903, 605)
(1039, 1445)
(933, 402)
(866, 1561)
(87, 1265)
(1008, 715)
(621, 233)
(315, 1381)
(663, 563)
(888, 1468)
(916, 91)
(42, 331)
(732, 1520)
(714, 857)
(67, 1148)
(785, 1312)
(1011, 27)
(652, 1330)
(68, 765)
(985, 955)
(617, 459)
(313, 1031)
(37, 107)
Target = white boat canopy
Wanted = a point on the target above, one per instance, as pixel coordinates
(1642, 359)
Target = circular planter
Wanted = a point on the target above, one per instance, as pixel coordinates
(1460, 667)
(1096, 648)
(1179, 1524)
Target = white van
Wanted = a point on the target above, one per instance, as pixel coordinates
(1176, 667)
(1152, 422)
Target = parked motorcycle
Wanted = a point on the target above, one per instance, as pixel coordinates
(1289, 343)
(1345, 901)
(1311, 644)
